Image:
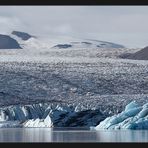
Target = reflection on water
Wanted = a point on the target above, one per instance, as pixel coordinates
(25, 135)
(123, 136)
(71, 135)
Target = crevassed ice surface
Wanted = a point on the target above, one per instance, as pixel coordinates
(95, 81)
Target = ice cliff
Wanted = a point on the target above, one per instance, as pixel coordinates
(48, 115)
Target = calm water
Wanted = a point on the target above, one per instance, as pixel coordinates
(71, 135)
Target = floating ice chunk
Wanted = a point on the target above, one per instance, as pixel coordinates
(39, 122)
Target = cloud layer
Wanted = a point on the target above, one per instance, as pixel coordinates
(127, 25)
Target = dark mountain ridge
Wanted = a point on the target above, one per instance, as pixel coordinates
(6, 42)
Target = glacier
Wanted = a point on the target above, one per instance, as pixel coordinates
(134, 117)
(79, 86)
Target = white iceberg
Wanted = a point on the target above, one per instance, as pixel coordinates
(38, 122)
(133, 117)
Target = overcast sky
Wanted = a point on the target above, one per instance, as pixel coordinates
(127, 25)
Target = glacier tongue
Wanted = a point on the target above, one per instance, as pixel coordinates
(133, 117)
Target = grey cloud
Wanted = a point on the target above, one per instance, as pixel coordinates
(121, 24)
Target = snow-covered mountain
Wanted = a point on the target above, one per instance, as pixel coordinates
(63, 47)
(69, 42)
(87, 43)
(60, 42)
(133, 117)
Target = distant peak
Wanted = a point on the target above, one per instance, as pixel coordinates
(23, 35)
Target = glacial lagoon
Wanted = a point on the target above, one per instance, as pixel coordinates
(67, 135)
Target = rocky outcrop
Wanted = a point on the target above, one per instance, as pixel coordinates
(24, 36)
(140, 55)
(6, 42)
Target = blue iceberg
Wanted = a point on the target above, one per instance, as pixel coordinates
(133, 117)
